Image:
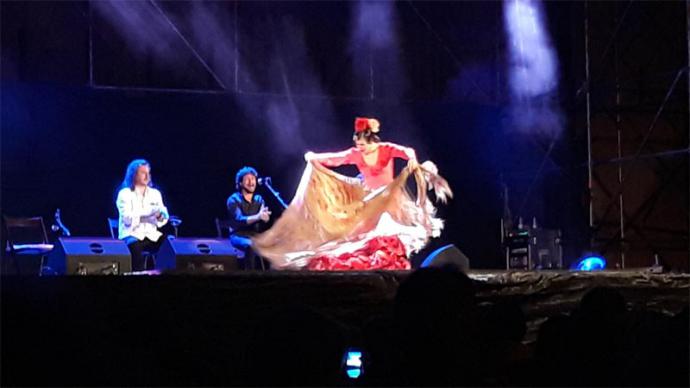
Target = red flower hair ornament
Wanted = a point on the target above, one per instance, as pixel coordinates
(364, 123)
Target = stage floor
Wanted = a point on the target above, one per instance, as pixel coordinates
(352, 297)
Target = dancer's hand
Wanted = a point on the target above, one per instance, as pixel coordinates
(412, 165)
(430, 167)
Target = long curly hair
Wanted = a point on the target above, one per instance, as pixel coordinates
(131, 172)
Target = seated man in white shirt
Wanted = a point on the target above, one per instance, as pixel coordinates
(142, 212)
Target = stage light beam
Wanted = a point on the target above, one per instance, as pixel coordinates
(532, 70)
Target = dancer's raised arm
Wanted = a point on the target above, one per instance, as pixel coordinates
(331, 159)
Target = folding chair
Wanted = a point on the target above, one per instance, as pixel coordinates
(26, 237)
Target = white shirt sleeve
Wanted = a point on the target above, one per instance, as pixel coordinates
(162, 209)
(125, 207)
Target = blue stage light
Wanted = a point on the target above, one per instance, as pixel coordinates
(353, 363)
(590, 263)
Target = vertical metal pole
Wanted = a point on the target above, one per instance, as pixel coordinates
(589, 127)
(237, 49)
(90, 45)
(619, 133)
(497, 52)
(687, 74)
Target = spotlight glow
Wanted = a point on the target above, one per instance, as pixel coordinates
(591, 263)
(532, 69)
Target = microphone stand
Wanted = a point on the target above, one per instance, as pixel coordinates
(58, 226)
(267, 183)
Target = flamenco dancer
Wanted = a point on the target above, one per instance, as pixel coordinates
(336, 222)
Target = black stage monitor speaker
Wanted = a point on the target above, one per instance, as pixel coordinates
(90, 256)
(197, 255)
(447, 255)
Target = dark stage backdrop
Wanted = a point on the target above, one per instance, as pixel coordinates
(442, 89)
(68, 147)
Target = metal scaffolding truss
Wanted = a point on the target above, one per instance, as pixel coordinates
(636, 115)
(435, 33)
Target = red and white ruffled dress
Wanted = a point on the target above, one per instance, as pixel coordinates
(390, 244)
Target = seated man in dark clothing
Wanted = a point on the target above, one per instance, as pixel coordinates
(247, 214)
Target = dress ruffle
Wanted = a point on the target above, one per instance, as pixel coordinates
(378, 253)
